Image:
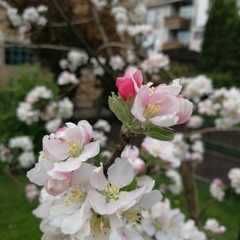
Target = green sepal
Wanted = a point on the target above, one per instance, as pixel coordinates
(120, 108)
(132, 186)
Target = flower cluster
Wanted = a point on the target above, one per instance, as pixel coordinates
(234, 176)
(161, 105)
(82, 202)
(36, 106)
(30, 17)
(195, 88)
(101, 127)
(217, 189)
(213, 226)
(162, 222)
(18, 152)
(155, 62)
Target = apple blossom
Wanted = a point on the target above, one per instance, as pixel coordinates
(175, 185)
(163, 150)
(155, 62)
(66, 77)
(189, 231)
(116, 62)
(132, 154)
(234, 176)
(162, 105)
(195, 88)
(162, 222)
(195, 121)
(102, 124)
(22, 142)
(70, 146)
(217, 189)
(31, 192)
(213, 226)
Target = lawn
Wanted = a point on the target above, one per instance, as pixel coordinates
(17, 221)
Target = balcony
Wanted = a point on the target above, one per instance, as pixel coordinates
(172, 45)
(174, 23)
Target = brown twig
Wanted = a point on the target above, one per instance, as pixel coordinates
(124, 140)
(77, 22)
(190, 192)
(211, 129)
(14, 179)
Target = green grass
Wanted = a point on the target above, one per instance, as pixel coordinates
(17, 221)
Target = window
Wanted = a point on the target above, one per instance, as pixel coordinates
(198, 35)
(18, 55)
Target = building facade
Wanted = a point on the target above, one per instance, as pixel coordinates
(178, 23)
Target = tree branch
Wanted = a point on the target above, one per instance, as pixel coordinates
(211, 129)
(82, 40)
(77, 22)
(124, 140)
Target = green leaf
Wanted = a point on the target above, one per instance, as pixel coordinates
(159, 133)
(120, 108)
(132, 186)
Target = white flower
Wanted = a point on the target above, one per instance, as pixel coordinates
(22, 142)
(99, 135)
(155, 62)
(195, 121)
(234, 176)
(37, 93)
(42, 8)
(53, 125)
(216, 189)
(116, 62)
(76, 58)
(141, 29)
(208, 107)
(14, 18)
(213, 226)
(102, 124)
(132, 154)
(197, 87)
(30, 14)
(190, 232)
(97, 68)
(26, 159)
(175, 185)
(162, 222)
(65, 108)
(66, 77)
(63, 63)
(163, 150)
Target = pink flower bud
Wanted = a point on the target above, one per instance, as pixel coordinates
(221, 230)
(129, 84)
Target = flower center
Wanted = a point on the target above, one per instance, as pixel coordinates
(158, 225)
(74, 149)
(134, 217)
(111, 192)
(98, 224)
(151, 110)
(74, 195)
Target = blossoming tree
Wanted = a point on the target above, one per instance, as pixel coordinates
(88, 193)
